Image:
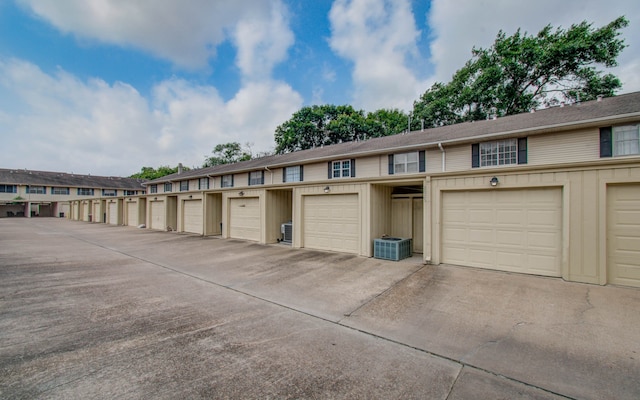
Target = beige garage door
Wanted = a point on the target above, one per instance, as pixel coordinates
(86, 210)
(113, 213)
(332, 222)
(244, 219)
(192, 216)
(132, 214)
(507, 230)
(157, 215)
(623, 235)
(96, 217)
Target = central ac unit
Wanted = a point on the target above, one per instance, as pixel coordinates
(287, 232)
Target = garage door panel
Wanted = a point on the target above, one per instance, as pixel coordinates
(192, 216)
(113, 213)
(132, 214)
(623, 234)
(245, 222)
(331, 222)
(512, 230)
(157, 215)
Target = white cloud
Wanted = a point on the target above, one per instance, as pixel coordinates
(185, 33)
(262, 39)
(458, 26)
(379, 37)
(55, 122)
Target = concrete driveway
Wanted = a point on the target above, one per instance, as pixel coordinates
(97, 311)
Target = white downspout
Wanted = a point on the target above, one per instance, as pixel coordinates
(444, 162)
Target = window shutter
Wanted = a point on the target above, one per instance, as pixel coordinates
(284, 174)
(249, 179)
(606, 142)
(421, 161)
(232, 176)
(475, 155)
(353, 167)
(522, 150)
(301, 175)
(330, 170)
(390, 164)
(262, 178)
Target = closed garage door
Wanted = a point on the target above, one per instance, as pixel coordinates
(85, 211)
(332, 222)
(192, 216)
(244, 221)
(623, 235)
(113, 213)
(96, 213)
(157, 215)
(132, 214)
(507, 230)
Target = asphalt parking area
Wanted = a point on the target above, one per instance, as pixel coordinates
(97, 311)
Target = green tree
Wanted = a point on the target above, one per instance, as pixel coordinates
(153, 173)
(318, 125)
(228, 153)
(522, 72)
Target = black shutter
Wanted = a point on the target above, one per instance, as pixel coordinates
(606, 142)
(232, 176)
(301, 171)
(522, 150)
(262, 178)
(390, 164)
(353, 167)
(421, 161)
(330, 170)
(475, 155)
(284, 174)
(249, 179)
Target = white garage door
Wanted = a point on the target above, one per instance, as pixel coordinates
(132, 214)
(332, 222)
(157, 215)
(192, 216)
(507, 230)
(623, 235)
(113, 213)
(244, 221)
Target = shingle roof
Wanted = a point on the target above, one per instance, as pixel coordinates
(46, 178)
(555, 119)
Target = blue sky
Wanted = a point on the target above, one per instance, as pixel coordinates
(106, 87)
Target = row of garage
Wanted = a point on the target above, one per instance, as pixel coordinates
(581, 225)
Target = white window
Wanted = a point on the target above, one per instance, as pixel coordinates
(256, 178)
(130, 192)
(184, 186)
(626, 140)
(342, 169)
(203, 183)
(227, 181)
(59, 190)
(168, 187)
(154, 188)
(293, 174)
(405, 163)
(499, 152)
(85, 192)
(37, 190)
(109, 192)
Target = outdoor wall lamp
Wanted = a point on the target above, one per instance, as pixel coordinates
(327, 189)
(190, 196)
(494, 181)
(155, 198)
(241, 193)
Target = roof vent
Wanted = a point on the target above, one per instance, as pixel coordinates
(600, 97)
